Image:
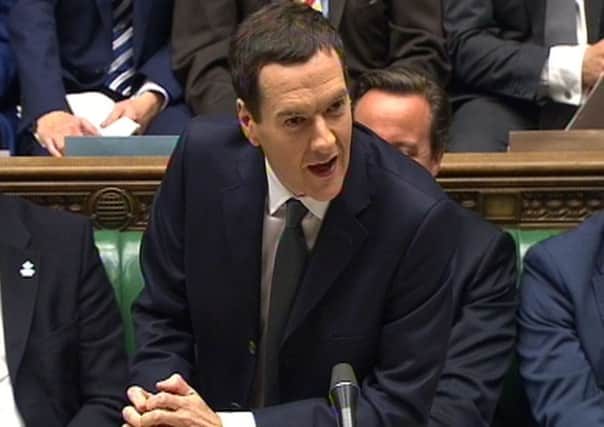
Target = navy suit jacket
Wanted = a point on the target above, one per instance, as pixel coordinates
(375, 293)
(64, 46)
(497, 46)
(64, 342)
(483, 335)
(7, 59)
(561, 327)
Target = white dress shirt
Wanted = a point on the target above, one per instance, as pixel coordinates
(274, 223)
(563, 71)
(9, 415)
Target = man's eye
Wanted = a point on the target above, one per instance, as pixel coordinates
(294, 121)
(336, 107)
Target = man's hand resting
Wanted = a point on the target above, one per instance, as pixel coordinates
(176, 404)
(53, 127)
(142, 109)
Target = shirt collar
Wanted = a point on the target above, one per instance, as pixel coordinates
(278, 195)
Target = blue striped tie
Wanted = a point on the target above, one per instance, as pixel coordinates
(121, 73)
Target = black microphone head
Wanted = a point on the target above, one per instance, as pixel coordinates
(342, 373)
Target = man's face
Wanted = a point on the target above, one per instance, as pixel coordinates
(403, 121)
(306, 124)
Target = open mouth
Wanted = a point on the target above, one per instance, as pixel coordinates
(324, 169)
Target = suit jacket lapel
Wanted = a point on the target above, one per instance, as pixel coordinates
(341, 236)
(18, 290)
(243, 210)
(336, 10)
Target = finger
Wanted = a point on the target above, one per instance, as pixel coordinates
(138, 396)
(88, 128)
(165, 400)
(117, 112)
(160, 417)
(52, 148)
(131, 416)
(175, 384)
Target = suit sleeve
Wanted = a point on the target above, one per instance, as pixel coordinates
(200, 36)
(33, 34)
(413, 339)
(482, 339)
(559, 381)
(102, 358)
(417, 39)
(7, 58)
(482, 59)
(158, 69)
(163, 328)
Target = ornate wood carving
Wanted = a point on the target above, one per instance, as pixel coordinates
(532, 190)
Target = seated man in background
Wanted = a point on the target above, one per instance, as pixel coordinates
(561, 325)
(8, 83)
(62, 354)
(411, 112)
(286, 242)
(519, 64)
(376, 34)
(119, 48)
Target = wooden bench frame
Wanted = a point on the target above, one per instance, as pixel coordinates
(523, 190)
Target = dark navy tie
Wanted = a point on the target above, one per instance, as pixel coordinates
(290, 262)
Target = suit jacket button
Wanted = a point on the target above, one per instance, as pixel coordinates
(235, 405)
(251, 347)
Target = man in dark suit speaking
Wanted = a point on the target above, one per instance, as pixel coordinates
(286, 243)
(62, 354)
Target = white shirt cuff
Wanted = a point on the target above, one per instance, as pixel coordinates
(149, 86)
(237, 419)
(564, 73)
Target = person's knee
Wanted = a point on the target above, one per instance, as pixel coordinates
(484, 124)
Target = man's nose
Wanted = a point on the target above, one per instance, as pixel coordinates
(323, 138)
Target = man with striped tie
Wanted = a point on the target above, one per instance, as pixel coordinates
(117, 47)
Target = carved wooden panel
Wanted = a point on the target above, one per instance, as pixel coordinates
(532, 190)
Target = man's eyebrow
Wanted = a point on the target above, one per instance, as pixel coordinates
(339, 95)
(299, 109)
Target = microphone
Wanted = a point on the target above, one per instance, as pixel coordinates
(343, 393)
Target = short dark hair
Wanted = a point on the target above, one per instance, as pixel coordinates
(282, 32)
(404, 81)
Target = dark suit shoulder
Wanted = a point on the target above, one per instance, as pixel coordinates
(579, 249)
(213, 150)
(393, 176)
(45, 225)
(477, 230)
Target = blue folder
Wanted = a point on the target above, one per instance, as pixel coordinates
(144, 145)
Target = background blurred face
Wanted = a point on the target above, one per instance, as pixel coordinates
(402, 120)
(305, 125)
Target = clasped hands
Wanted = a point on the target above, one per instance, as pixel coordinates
(176, 404)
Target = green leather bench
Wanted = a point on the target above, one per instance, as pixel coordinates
(119, 252)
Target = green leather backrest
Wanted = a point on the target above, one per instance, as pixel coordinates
(119, 252)
(526, 238)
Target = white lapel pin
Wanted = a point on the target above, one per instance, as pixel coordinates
(28, 269)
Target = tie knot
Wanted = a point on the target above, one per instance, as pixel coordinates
(294, 213)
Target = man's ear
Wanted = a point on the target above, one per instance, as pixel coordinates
(246, 122)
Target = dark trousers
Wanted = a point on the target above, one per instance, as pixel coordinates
(483, 124)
